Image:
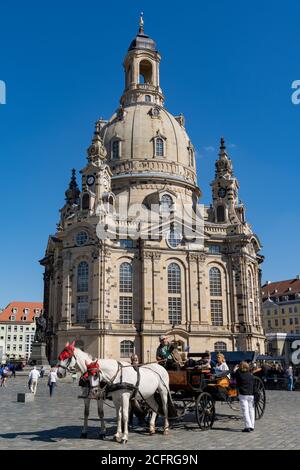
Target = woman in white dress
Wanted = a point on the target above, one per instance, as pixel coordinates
(221, 365)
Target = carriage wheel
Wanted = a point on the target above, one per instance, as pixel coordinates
(205, 410)
(259, 397)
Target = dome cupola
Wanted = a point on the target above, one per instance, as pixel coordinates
(141, 66)
(142, 40)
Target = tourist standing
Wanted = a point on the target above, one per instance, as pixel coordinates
(42, 372)
(33, 379)
(52, 379)
(245, 385)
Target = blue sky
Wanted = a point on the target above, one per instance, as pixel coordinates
(228, 66)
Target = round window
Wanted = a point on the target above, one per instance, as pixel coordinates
(174, 238)
(81, 238)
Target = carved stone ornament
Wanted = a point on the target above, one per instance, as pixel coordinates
(202, 257)
(153, 255)
(156, 255)
(155, 112)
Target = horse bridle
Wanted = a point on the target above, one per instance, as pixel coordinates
(66, 367)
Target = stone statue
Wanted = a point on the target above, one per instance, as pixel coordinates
(40, 330)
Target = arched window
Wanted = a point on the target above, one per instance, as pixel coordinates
(82, 304)
(145, 72)
(251, 313)
(216, 312)
(166, 204)
(159, 147)
(126, 348)
(85, 202)
(220, 214)
(215, 284)
(125, 302)
(116, 149)
(148, 99)
(174, 300)
(174, 238)
(220, 346)
(174, 279)
(125, 277)
(82, 308)
(250, 285)
(83, 277)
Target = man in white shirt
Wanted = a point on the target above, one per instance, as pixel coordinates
(52, 378)
(33, 379)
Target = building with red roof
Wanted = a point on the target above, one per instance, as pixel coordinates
(281, 315)
(17, 329)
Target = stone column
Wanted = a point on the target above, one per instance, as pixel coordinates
(65, 320)
(94, 311)
(147, 287)
(193, 283)
(203, 292)
(157, 287)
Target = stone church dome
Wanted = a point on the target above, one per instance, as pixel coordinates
(146, 132)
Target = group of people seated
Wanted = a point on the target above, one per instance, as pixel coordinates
(165, 355)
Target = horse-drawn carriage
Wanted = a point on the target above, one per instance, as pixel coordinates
(197, 389)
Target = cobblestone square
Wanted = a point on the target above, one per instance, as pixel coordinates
(56, 423)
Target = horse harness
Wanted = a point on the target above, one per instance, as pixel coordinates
(102, 390)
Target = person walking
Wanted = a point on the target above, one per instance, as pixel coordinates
(52, 379)
(42, 372)
(245, 385)
(5, 372)
(290, 377)
(13, 370)
(33, 379)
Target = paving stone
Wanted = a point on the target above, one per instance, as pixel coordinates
(56, 422)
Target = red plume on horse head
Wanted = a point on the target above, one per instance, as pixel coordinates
(68, 351)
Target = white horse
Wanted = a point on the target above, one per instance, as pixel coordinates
(69, 361)
(153, 377)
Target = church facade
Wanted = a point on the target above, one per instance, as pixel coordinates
(135, 254)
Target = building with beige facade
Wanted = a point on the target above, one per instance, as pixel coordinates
(281, 306)
(281, 317)
(135, 254)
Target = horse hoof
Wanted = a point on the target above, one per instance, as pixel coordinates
(152, 432)
(166, 432)
(83, 435)
(124, 442)
(118, 439)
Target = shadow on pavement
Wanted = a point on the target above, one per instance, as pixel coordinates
(56, 434)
